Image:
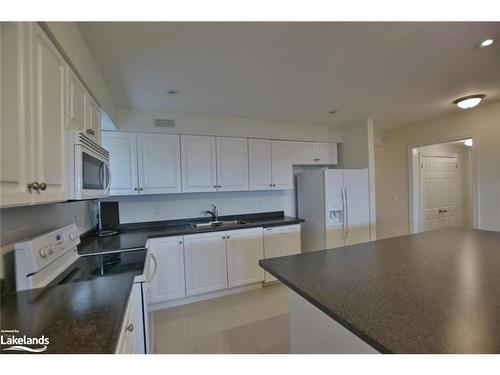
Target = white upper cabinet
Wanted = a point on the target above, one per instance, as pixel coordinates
(270, 164)
(304, 152)
(232, 164)
(93, 130)
(281, 164)
(326, 153)
(159, 163)
(49, 119)
(205, 261)
(259, 161)
(314, 153)
(168, 281)
(84, 113)
(122, 147)
(198, 163)
(15, 142)
(244, 250)
(77, 103)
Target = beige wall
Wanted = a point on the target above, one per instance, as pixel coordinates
(392, 167)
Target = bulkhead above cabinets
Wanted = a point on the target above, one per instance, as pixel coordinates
(152, 163)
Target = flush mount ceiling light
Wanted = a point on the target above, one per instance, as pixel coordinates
(172, 92)
(468, 142)
(469, 101)
(486, 43)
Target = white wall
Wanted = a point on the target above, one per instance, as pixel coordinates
(71, 41)
(189, 205)
(135, 120)
(392, 167)
(21, 222)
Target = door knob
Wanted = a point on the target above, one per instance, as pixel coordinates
(34, 186)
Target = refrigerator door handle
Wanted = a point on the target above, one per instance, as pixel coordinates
(343, 212)
(346, 214)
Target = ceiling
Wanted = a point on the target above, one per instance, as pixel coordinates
(395, 73)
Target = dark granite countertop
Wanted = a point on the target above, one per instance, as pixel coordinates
(134, 236)
(80, 317)
(433, 292)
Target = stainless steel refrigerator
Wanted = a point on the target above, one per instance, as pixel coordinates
(335, 206)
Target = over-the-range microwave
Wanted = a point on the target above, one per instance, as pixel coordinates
(89, 174)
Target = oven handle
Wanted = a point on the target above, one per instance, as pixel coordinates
(150, 277)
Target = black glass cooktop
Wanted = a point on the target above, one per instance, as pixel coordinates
(91, 267)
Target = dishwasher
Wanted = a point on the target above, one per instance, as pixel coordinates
(281, 241)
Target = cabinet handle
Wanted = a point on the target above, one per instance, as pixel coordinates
(34, 186)
(130, 328)
(43, 186)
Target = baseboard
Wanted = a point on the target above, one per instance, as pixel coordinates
(203, 297)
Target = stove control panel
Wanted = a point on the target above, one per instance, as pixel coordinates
(39, 252)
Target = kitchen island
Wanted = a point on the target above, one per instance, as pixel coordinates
(433, 292)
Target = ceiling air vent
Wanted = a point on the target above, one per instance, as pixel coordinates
(164, 123)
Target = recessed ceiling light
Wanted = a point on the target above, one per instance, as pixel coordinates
(468, 142)
(172, 92)
(469, 101)
(486, 43)
(332, 112)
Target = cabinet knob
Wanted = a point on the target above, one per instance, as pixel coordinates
(43, 186)
(215, 186)
(219, 186)
(135, 189)
(228, 237)
(223, 237)
(130, 328)
(141, 189)
(34, 186)
(180, 242)
(271, 185)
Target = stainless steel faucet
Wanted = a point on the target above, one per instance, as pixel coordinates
(214, 213)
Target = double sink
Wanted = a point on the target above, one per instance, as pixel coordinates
(218, 224)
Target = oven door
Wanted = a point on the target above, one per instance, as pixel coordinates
(92, 173)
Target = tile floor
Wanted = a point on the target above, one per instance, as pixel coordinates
(250, 322)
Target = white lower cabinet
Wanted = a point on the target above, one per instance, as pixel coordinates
(126, 340)
(281, 241)
(244, 250)
(168, 281)
(205, 262)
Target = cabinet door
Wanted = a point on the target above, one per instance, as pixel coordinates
(206, 265)
(198, 163)
(77, 103)
(259, 162)
(244, 250)
(15, 150)
(304, 153)
(159, 163)
(282, 170)
(326, 153)
(232, 164)
(281, 241)
(49, 118)
(168, 280)
(122, 147)
(94, 121)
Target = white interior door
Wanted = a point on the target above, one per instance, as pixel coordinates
(122, 147)
(232, 164)
(357, 198)
(438, 186)
(259, 161)
(159, 163)
(198, 163)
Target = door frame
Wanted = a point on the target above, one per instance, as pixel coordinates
(414, 179)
